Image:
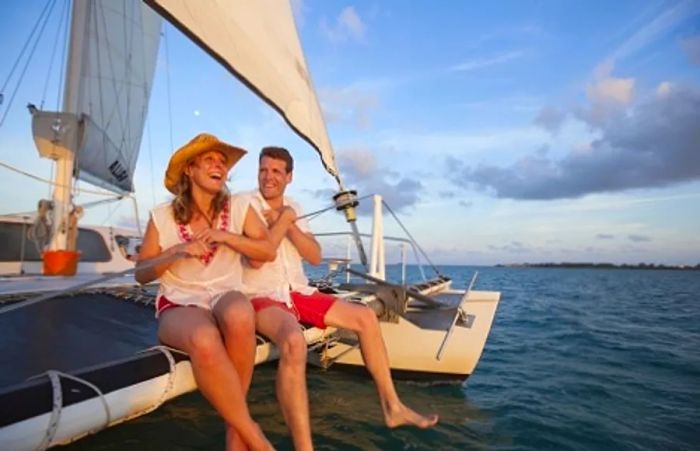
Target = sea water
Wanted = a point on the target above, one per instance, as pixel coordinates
(577, 359)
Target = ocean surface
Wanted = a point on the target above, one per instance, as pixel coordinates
(577, 359)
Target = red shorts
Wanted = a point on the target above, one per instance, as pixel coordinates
(308, 309)
(163, 304)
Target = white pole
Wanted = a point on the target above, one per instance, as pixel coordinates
(377, 266)
(62, 196)
(136, 216)
(403, 263)
(349, 257)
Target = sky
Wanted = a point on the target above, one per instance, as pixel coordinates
(498, 132)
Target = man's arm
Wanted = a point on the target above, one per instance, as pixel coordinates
(303, 241)
(255, 228)
(306, 244)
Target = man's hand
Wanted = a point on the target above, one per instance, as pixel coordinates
(211, 236)
(284, 213)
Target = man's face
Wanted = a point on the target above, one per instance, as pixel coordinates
(273, 177)
(208, 170)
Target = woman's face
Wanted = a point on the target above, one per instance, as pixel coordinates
(208, 171)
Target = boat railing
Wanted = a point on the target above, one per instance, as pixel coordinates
(405, 243)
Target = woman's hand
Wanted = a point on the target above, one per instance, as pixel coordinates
(195, 248)
(212, 236)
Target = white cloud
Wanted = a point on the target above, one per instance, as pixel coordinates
(611, 90)
(653, 144)
(348, 26)
(350, 104)
(362, 172)
(664, 88)
(608, 95)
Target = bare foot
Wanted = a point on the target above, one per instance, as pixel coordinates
(400, 415)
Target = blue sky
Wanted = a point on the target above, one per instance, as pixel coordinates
(501, 132)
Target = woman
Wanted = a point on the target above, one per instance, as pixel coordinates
(193, 245)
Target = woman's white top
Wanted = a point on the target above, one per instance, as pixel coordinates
(201, 281)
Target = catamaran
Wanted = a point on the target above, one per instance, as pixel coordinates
(51, 262)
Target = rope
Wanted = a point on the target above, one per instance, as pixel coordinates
(57, 394)
(57, 398)
(167, 352)
(40, 230)
(81, 190)
(57, 406)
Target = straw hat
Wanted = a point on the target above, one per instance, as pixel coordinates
(204, 142)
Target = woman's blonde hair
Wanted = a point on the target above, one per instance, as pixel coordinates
(183, 204)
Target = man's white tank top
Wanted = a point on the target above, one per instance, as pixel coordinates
(200, 281)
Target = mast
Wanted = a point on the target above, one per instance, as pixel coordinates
(65, 162)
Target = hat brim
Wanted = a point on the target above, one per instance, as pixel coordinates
(182, 157)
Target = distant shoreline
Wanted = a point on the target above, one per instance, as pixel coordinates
(601, 266)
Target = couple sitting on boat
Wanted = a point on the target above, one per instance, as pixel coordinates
(211, 302)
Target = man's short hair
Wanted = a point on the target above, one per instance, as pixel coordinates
(278, 153)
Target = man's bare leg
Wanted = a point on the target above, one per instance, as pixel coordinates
(363, 321)
(236, 319)
(282, 328)
(194, 331)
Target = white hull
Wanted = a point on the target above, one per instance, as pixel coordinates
(90, 416)
(413, 349)
(80, 419)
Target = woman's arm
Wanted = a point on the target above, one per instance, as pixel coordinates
(255, 243)
(153, 262)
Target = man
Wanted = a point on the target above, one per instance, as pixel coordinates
(282, 298)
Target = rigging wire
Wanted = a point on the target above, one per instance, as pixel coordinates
(316, 213)
(62, 72)
(29, 60)
(24, 48)
(432, 265)
(53, 56)
(167, 85)
(150, 160)
(52, 183)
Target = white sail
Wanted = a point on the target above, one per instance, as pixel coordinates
(118, 48)
(257, 41)
(111, 62)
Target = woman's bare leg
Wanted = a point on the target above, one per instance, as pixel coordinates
(236, 320)
(194, 331)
